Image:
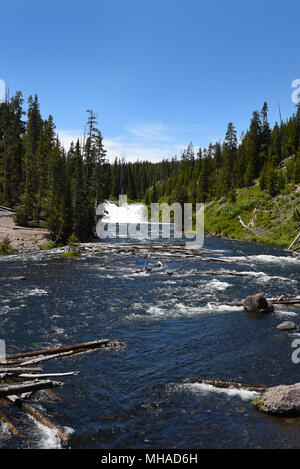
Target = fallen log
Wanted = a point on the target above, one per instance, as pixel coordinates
(30, 410)
(66, 348)
(33, 361)
(48, 375)
(274, 301)
(237, 274)
(27, 387)
(226, 261)
(67, 354)
(295, 241)
(17, 371)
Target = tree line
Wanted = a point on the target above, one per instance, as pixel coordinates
(50, 187)
(44, 184)
(265, 155)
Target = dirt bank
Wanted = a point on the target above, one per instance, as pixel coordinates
(22, 239)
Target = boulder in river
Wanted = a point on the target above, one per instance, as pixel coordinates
(287, 326)
(257, 304)
(280, 400)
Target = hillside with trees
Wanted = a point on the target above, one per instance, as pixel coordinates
(240, 179)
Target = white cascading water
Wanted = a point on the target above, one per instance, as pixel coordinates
(132, 221)
(129, 213)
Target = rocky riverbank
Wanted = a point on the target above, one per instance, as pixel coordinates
(22, 239)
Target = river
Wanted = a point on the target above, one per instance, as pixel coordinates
(175, 328)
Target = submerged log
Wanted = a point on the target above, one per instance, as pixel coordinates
(30, 410)
(51, 395)
(226, 384)
(27, 387)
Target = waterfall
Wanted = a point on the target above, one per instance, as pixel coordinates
(129, 221)
(123, 221)
(129, 213)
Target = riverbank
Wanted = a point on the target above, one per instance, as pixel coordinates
(256, 216)
(23, 239)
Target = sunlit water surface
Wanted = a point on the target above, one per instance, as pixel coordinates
(175, 328)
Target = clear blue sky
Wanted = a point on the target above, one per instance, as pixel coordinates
(158, 73)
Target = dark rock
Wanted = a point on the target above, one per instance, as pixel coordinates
(256, 304)
(170, 272)
(287, 326)
(280, 400)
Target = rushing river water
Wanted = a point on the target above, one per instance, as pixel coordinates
(175, 328)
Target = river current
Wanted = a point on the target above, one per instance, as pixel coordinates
(175, 328)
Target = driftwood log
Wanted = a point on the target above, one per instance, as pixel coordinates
(16, 368)
(161, 249)
(18, 371)
(45, 358)
(226, 273)
(274, 301)
(66, 348)
(27, 387)
(48, 375)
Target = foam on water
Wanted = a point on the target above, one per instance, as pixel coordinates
(34, 292)
(49, 438)
(268, 259)
(161, 311)
(216, 284)
(4, 429)
(285, 313)
(205, 389)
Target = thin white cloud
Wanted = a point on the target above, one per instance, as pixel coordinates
(147, 141)
(122, 148)
(154, 131)
(67, 136)
(142, 142)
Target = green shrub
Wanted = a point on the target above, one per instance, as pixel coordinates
(71, 255)
(46, 246)
(6, 247)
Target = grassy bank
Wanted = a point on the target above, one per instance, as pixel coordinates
(271, 220)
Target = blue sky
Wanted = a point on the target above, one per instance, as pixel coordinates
(158, 73)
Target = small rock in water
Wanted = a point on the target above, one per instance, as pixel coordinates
(257, 304)
(287, 326)
(280, 400)
(170, 272)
